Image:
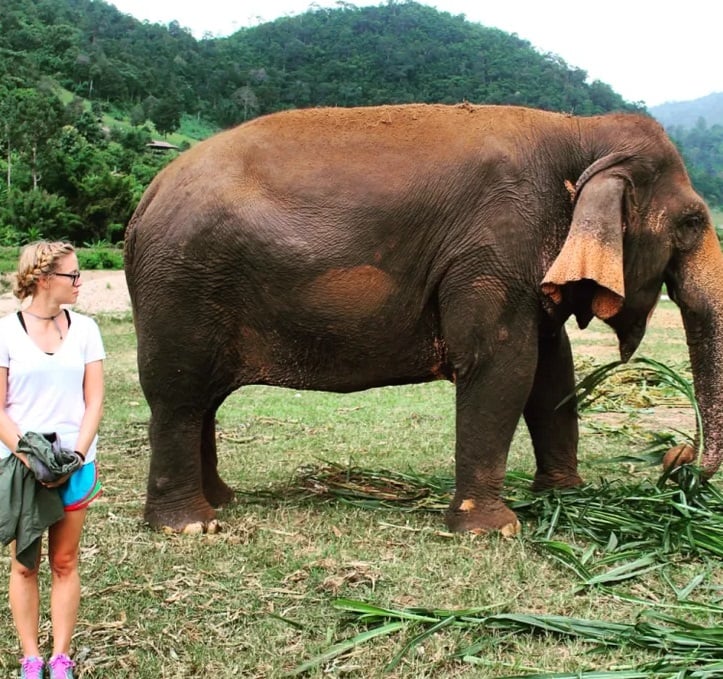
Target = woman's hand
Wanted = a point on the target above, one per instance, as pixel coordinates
(22, 457)
(57, 482)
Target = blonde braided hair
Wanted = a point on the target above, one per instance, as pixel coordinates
(37, 260)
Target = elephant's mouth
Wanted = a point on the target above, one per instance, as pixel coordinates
(631, 323)
(573, 299)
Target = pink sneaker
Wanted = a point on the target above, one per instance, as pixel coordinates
(61, 667)
(32, 667)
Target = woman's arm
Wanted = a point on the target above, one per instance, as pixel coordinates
(9, 432)
(93, 392)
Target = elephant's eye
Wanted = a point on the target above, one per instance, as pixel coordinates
(694, 221)
(690, 227)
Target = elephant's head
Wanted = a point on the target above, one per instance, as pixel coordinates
(637, 223)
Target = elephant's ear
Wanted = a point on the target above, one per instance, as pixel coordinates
(593, 249)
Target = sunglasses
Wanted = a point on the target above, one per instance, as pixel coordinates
(73, 276)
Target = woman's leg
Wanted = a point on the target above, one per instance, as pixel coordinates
(24, 604)
(63, 549)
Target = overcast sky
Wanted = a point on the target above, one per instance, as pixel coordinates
(645, 50)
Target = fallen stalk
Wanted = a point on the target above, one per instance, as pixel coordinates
(683, 646)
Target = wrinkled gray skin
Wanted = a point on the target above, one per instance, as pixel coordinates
(343, 249)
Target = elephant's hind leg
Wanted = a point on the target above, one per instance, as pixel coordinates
(215, 490)
(553, 427)
(175, 499)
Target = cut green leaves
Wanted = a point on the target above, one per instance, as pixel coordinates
(682, 646)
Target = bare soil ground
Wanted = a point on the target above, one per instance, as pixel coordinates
(101, 292)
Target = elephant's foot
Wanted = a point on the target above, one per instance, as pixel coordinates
(552, 480)
(472, 516)
(217, 493)
(192, 518)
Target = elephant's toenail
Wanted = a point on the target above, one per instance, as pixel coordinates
(511, 529)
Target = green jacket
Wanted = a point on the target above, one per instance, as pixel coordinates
(47, 459)
(28, 508)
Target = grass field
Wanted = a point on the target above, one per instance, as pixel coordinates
(265, 596)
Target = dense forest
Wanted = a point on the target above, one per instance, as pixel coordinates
(84, 89)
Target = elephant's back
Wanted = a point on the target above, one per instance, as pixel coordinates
(368, 158)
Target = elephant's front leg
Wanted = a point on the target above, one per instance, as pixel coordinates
(553, 429)
(491, 395)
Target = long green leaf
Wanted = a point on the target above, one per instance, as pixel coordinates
(626, 571)
(418, 639)
(346, 646)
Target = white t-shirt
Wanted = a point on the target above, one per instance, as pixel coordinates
(45, 392)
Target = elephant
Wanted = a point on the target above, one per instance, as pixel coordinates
(341, 249)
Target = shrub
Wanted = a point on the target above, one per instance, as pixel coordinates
(100, 258)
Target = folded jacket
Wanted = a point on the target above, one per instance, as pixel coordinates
(47, 459)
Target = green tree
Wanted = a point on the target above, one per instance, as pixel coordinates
(30, 117)
(104, 203)
(166, 116)
(138, 115)
(246, 100)
(30, 215)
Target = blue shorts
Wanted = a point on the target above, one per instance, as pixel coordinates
(81, 488)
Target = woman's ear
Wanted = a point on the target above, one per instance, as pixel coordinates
(593, 249)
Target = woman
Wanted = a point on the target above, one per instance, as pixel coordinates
(51, 381)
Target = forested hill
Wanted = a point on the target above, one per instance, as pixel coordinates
(342, 57)
(689, 114)
(697, 127)
(397, 53)
(84, 88)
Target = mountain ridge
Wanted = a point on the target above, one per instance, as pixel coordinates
(687, 114)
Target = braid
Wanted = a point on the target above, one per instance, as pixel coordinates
(36, 260)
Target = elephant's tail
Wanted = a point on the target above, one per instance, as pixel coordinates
(131, 234)
(129, 251)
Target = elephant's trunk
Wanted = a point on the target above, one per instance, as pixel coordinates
(705, 358)
(699, 293)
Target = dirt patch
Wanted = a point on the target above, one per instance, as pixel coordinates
(100, 292)
(661, 418)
